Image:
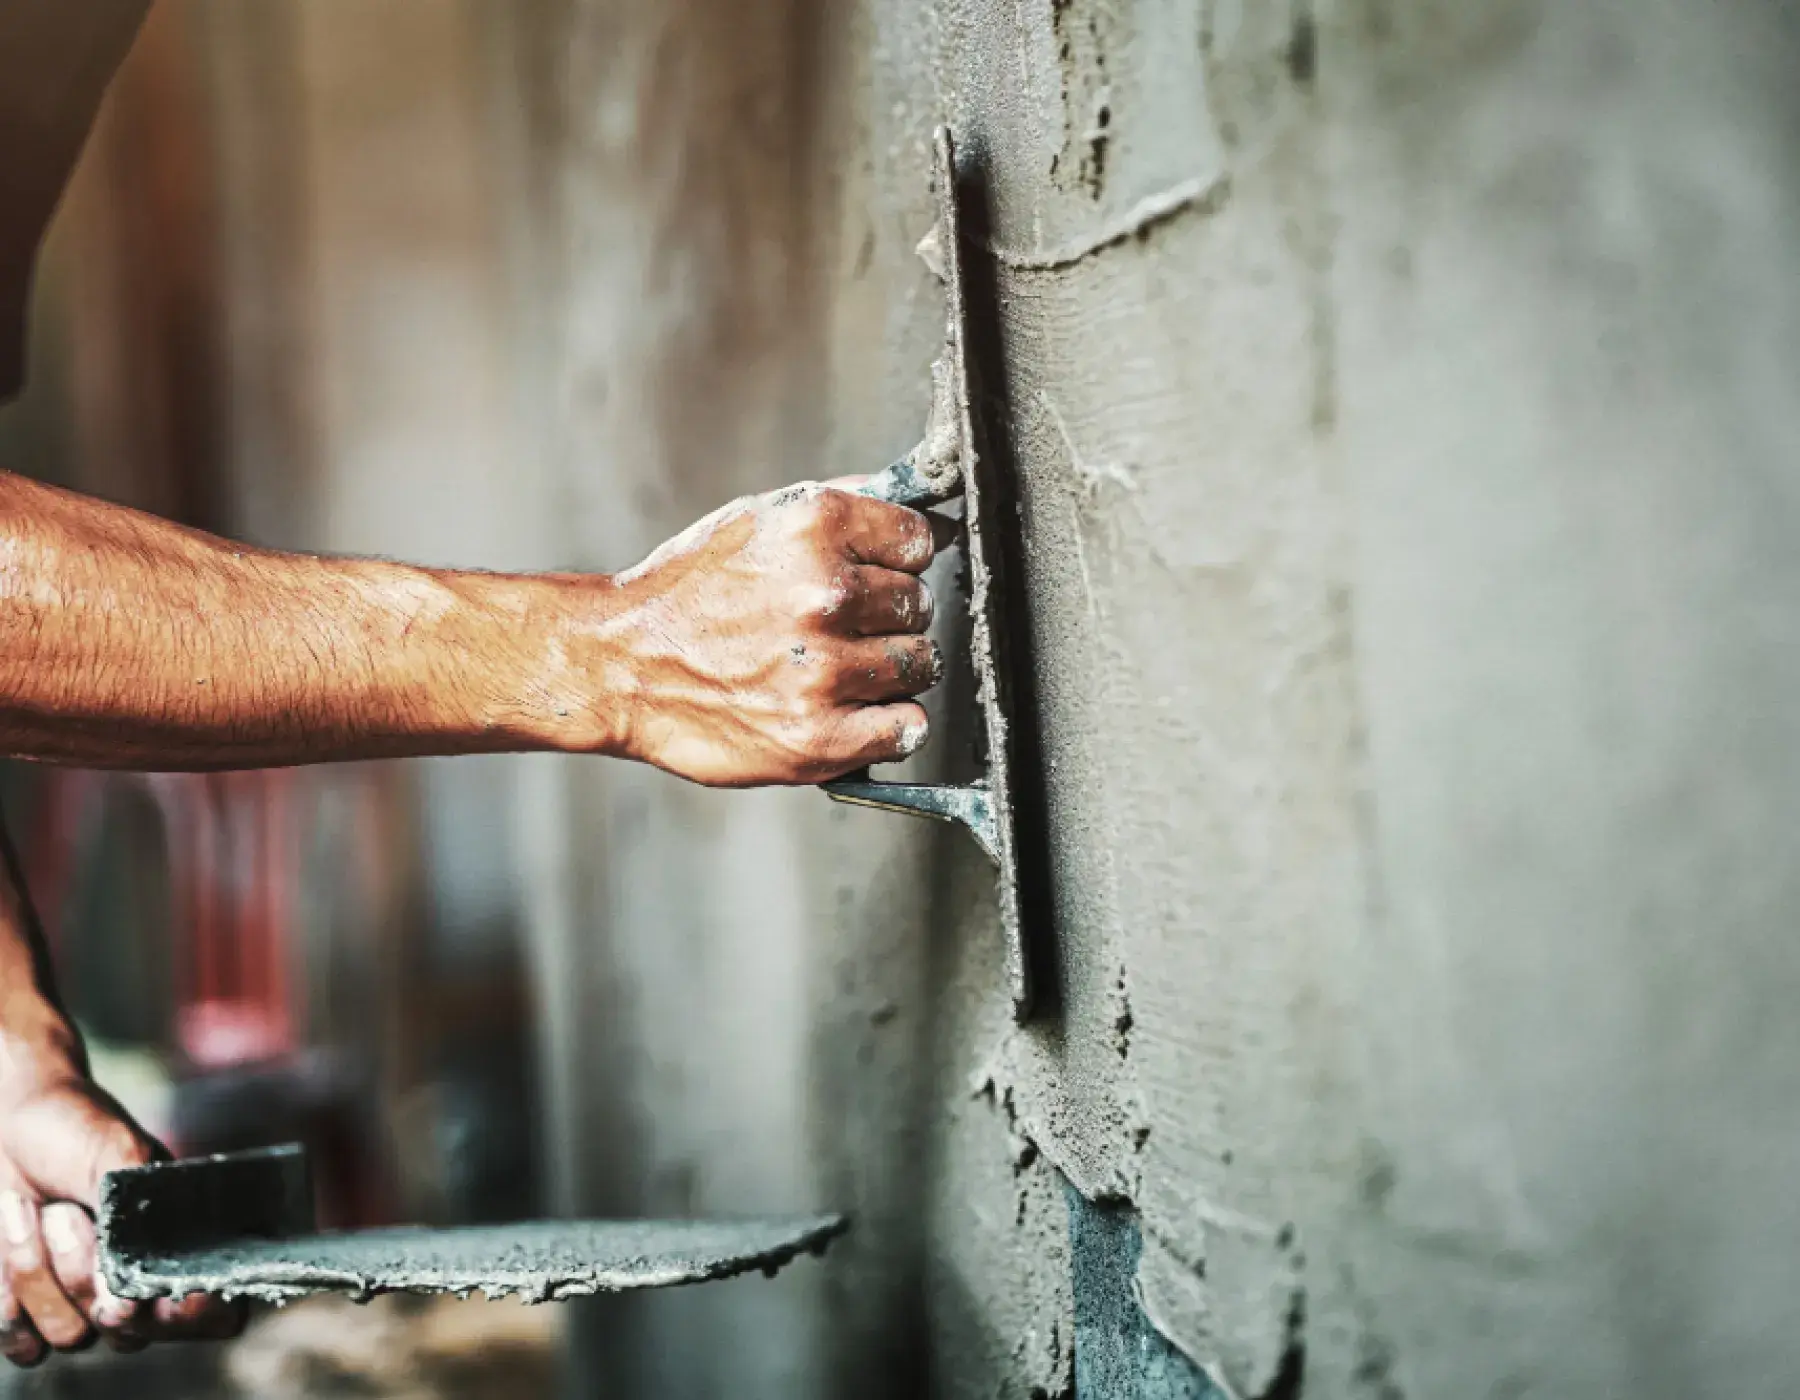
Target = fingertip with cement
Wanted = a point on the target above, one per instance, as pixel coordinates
(921, 545)
(914, 731)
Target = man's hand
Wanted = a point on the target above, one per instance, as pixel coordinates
(59, 1134)
(776, 641)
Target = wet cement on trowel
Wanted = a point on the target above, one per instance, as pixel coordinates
(537, 1261)
(241, 1225)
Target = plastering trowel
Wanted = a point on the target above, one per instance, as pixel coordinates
(945, 464)
(240, 1225)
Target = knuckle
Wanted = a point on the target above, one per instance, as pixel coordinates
(814, 508)
(810, 601)
(827, 599)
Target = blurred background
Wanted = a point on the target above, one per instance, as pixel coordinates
(275, 304)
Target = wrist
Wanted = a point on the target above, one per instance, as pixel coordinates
(573, 685)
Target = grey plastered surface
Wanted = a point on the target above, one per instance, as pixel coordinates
(1409, 550)
(1403, 395)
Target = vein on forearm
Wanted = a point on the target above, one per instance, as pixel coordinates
(127, 641)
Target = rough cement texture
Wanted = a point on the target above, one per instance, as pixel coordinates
(539, 1261)
(1118, 1351)
(1400, 394)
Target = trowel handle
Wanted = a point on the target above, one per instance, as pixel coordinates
(968, 805)
(904, 485)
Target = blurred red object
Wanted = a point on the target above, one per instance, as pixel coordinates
(243, 1074)
(233, 862)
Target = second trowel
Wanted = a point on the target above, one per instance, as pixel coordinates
(948, 463)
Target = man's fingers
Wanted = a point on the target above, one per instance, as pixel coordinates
(878, 734)
(875, 669)
(31, 1279)
(58, 1145)
(19, 1341)
(884, 601)
(69, 1234)
(68, 1231)
(881, 533)
(123, 1322)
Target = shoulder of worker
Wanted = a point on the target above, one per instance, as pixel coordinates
(56, 60)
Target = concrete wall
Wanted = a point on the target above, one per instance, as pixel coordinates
(1402, 400)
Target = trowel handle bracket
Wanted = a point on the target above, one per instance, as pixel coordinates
(969, 806)
(905, 485)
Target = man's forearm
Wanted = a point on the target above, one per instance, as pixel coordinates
(127, 641)
(777, 641)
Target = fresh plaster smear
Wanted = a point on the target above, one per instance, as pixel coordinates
(1420, 728)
